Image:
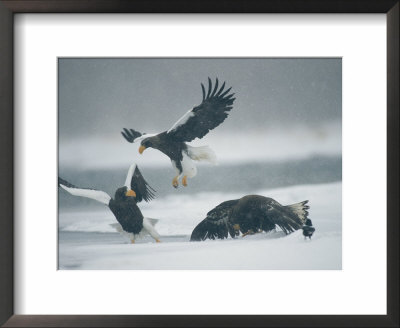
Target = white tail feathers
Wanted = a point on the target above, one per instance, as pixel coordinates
(300, 209)
(122, 232)
(148, 224)
(152, 221)
(117, 227)
(203, 153)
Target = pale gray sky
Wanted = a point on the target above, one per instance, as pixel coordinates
(101, 96)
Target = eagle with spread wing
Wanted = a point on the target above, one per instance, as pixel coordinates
(124, 204)
(196, 123)
(249, 215)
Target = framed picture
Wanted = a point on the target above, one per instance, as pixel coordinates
(302, 106)
(255, 161)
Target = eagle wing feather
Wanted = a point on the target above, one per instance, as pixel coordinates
(213, 110)
(216, 224)
(136, 182)
(98, 195)
(141, 187)
(130, 134)
(285, 217)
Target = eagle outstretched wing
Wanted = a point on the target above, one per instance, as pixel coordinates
(289, 218)
(98, 195)
(136, 182)
(216, 224)
(132, 135)
(213, 110)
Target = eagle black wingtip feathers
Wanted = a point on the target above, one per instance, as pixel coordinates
(209, 88)
(149, 192)
(126, 134)
(215, 88)
(126, 137)
(203, 91)
(60, 181)
(223, 94)
(220, 90)
(65, 183)
(130, 134)
(218, 94)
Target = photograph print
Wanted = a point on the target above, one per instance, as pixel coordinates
(199, 163)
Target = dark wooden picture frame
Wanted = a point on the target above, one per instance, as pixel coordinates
(10, 7)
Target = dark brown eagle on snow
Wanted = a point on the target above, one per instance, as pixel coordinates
(248, 215)
(196, 123)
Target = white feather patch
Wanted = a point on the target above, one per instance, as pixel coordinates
(148, 229)
(129, 176)
(182, 120)
(144, 136)
(203, 153)
(188, 166)
(153, 221)
(148, 226)
(123, 233)
(174, 166)
(98, 195)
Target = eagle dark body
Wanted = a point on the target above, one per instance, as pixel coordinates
(254, 212)
(126, 212)
(168, 145)
(250, 214)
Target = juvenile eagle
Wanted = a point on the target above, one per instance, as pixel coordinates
(123, 206)
(248, 215)
(196, 123)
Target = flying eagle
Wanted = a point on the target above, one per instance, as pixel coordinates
(248, 215)
(196, 123)
(123, 206)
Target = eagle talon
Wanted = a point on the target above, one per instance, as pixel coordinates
(250, 232)
(184, 181)
(158, 241)
(175, 182)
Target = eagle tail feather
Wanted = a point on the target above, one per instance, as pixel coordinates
(300, 209)
(202, 153)
(153, 222)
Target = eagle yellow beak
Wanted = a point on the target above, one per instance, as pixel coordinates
(130, 193)
(141, 149)
(236, 227)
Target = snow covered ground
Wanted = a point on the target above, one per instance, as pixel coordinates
(87, 241)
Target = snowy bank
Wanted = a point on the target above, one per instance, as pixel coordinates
(87, 240)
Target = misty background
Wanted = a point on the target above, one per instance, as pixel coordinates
(284, 128)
